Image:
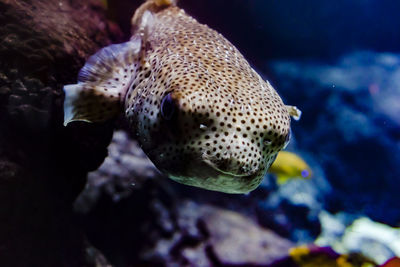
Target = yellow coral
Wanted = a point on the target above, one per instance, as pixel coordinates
(299, 252)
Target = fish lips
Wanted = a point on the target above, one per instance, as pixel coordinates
(200, 173)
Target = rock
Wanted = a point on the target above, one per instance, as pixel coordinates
(135, 215)
(126, 169)
(43, 165)
(207, 235)
(236, 240)
(292, 209)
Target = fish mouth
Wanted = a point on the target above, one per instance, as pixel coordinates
(202, 172)
(212, 165)
(213, 179)
(240, 170)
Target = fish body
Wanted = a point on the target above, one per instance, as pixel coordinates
(288, 165)
(200, 112)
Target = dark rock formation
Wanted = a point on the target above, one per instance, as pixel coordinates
(43, 166)
(236, 240)
(136, 216)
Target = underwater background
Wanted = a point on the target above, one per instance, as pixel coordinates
(86, 195)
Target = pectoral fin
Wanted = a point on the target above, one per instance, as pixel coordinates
(294, 112)
(102, 83)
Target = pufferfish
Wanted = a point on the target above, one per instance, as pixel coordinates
(201, 114)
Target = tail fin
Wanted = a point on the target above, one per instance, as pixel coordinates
(102, 83)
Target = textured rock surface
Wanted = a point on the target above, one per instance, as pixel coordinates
(42, 165)
(137, 216)
(236, 240)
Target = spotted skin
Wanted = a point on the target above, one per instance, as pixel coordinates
(200, 112)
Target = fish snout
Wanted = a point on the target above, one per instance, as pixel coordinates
(228, 162)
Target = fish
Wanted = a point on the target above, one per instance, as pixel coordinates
(199, 111)
(289, 165)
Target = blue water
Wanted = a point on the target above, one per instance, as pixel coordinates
(351, 127)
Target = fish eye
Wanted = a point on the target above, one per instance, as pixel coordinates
(167, 106)
(267, 142)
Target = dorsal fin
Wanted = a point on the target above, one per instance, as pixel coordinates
(139, 21)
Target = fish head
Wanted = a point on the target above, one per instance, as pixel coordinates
(202, 135)
(201, 113)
